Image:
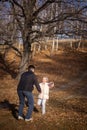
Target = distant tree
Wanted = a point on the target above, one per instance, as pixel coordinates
(32, 19)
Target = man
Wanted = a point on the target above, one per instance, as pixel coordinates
(25, 88)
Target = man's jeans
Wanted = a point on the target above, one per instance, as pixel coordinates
(29, 96)
(42, 102)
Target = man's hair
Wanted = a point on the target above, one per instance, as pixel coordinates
(31, 67)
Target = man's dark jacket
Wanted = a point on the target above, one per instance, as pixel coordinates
(27, 82)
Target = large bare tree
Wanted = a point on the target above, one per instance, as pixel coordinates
(33, 19)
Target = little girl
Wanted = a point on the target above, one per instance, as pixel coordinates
(44, 95)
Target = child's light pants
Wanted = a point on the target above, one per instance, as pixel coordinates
(42, 102)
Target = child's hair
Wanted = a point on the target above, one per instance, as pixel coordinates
(45, 78)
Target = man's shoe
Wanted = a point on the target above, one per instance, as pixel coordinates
(20, 118)
(30, 119)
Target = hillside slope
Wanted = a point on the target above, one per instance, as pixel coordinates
(67, 106)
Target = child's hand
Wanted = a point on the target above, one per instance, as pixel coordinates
(51, 84)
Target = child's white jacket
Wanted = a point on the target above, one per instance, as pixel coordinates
(44, 91)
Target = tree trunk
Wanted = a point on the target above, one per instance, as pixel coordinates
(79, 44)
(24, 62)
(71, 44)
(25, 58)
(53, 47)
(57, 44)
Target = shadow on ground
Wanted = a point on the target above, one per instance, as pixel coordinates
(12, 107)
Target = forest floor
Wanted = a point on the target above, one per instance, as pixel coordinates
(67, 107)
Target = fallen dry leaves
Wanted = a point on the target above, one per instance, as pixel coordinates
(67, 106)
